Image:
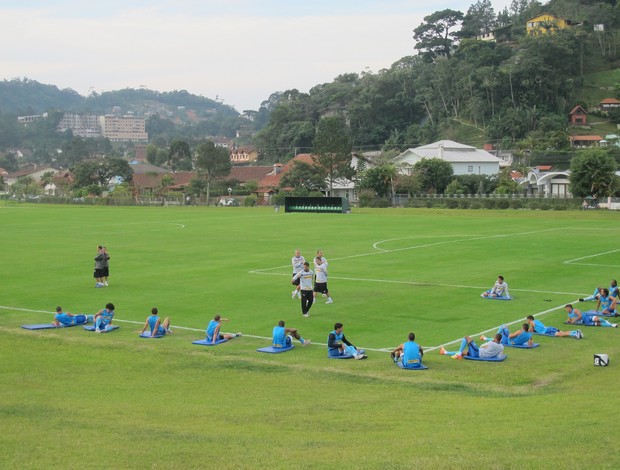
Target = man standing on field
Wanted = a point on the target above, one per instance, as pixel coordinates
(298, 265)
(305, 281)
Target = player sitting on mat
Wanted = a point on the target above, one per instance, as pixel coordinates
(213, 330)
(607, 303)
(499, 289)
(576, 317)
(521, 337)
(103, 318)
(157, 327)
(282, 336)
(68, 319)
(488, 350)
(538, 327)
(409, 353)
(338, 345)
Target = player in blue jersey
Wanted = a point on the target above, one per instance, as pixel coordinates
(155, 324)
(469, 348)
(523, 336)
(305, 283)
(613, 291)
(282, 336)
(68, 319)
(536, 326)
(607, 303)
(213, 330)
(409, 353)
(499, 289)
(338, 345)
(103, 318)
(576, 317)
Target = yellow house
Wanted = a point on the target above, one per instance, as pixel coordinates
(546, 23)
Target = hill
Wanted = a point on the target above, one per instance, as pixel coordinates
(26, 97)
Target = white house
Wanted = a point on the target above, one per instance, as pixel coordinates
(547, 184)
(465, 159)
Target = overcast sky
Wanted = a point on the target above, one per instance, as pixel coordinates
(239, 51)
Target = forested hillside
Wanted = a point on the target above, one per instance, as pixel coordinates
(517, 88)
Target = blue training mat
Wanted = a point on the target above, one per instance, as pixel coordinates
(204, 342)
(92, 328)
(522, 346)
(43, 326)
(420, 367)
(347, 356)
(146, 334)
(272, 350)
(495, 298)
(499, 358)
(599, 314)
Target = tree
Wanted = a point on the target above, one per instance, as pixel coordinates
(304, 176)
(436, 37)
(480, 18)
(380, 179)
(434, 174)
(100, 172)
(592, 173)
(332, 149)
(179, 154)
(212, 162)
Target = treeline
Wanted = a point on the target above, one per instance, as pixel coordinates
(517, 88)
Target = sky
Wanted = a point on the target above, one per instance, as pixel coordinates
(236, 51)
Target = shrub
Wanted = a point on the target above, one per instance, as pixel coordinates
(533, 205)
(503, 204)
(452, 204)
(516, 204)
(250, 201)
(464, 203)
(475, 205)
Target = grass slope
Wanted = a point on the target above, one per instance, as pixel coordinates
(73, 399)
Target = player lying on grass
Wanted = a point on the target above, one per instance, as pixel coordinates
(538, 327)
(409, 353)
(282, 336)
(520, 337)
(499, 289)
(213, 330)
(576, 317)
(157, 327)
(488, 350)
(68, 319)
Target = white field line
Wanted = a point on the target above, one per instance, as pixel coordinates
(576, 260)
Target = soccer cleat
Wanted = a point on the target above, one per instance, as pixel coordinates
(579, 334)
(99, 284)
(614, 325)
(581, 300)
(360, 356)
(329, 301)
(299, 294)
(105, 283)
(98, 331)
(442, 351)
(457, 356)
(324, 295)
(393, 356)
(305, 315)
(293, 294)
(307, 342)
(238, 334)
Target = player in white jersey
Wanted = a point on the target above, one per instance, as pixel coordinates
(297, 262)
(320, 265)
(305, 282)
(499, 289)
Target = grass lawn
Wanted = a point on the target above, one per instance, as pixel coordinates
(74, 399)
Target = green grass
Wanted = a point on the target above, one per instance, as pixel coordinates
(72, 399)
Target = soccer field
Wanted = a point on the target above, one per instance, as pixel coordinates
(72, 399)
